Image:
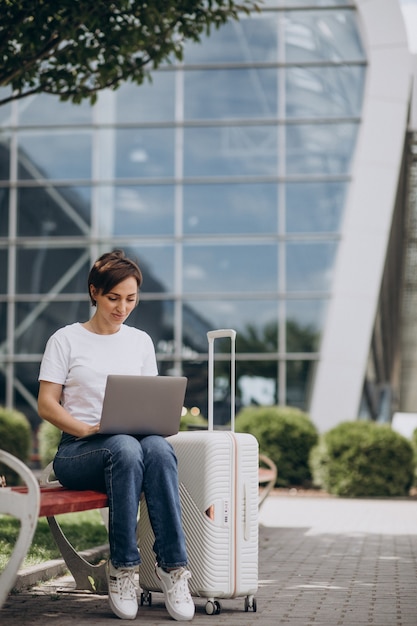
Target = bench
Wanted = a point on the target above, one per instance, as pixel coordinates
(34, 500)
(48, 499)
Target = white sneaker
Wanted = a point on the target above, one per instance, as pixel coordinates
(123, 599)
(178, 599)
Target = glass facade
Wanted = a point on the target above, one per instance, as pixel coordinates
(226, 177)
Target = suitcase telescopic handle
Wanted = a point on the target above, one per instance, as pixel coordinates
(211, 336)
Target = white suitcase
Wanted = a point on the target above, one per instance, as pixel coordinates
(218, 478)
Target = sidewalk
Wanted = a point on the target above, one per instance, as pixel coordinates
(322, 561)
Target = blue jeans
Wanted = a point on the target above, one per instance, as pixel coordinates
(122, 466)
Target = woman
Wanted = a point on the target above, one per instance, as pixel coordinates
(72, 377)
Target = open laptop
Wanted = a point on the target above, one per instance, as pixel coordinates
(143, 405)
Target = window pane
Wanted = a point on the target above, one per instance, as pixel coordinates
(231, 93)
(157, 264)
(149, 102)
(249, 40)
(303, 3)
(314, 207)
(304, 326)
(320, 148)
(324, 92)
(3, 322)
(157, 319)
(196, 395)
(5, 109)
(228, 151)
(4, 212)
(257, 383)
(41, 270)
(35, 324)
(144, 152)
(310, 266)
(230, 268)
(254, 320)
(322, 36)
(27, 375)
(137, 210)
(44, 110)
(299, 383)
(230, 208)
(2, 389)
(4, 157)
(53, 211)
(3, 271)
(58, 155)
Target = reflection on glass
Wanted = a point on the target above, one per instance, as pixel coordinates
(320, 148)
(156, 318)
(53, 211)
(26, 372)
(304, 324)
(150, 102)
(230, 208)
(249, 40)
(35, 324)
(257, 382)
(144, 152)
(4, 156)
(3, 271)
(157, 264)
(44, 110)
(254, 321)
(231, 151)
(141, 210)
(3, 320)
(41, 270)
(310, 265)
(230, 268)
(324, 92)
(304, 3)
(299, 383)
(315, 207)
(331, 35)
(4, 212)
(57, 155)
(5, 109)
(231, 93)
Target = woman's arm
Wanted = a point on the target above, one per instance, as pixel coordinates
(51, 410)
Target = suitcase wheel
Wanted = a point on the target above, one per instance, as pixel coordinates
(146, 598)
(213, 607)
(250, 603)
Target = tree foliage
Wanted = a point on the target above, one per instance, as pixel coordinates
(75, 48)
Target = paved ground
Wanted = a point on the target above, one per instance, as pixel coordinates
(323, 562)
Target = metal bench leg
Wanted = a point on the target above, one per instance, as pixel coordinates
(87, 576)
(25, 507)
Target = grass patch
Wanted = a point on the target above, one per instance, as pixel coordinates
(84, 530)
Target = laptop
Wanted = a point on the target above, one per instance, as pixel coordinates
(143, 405)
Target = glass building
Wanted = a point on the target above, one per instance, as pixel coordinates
(257, 183)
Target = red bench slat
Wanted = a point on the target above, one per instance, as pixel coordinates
(57, 499)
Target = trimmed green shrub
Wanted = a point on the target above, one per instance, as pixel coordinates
(286, 435)
(49, 437)
(363, 459)
(16, 438)
(414, 446)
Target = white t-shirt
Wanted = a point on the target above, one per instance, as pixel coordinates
(81, 360)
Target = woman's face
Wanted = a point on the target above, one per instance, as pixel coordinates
(115, 307)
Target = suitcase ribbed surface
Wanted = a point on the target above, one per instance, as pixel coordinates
(218, 476)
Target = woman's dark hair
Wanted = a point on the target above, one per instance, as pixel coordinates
(111, 269)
